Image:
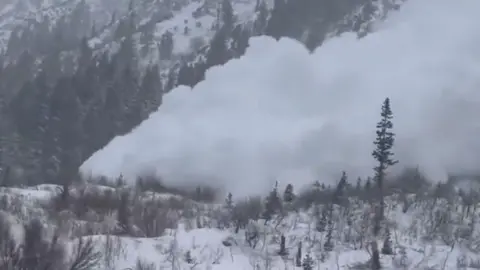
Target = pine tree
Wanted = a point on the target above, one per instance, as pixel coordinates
(338, 195)
(219, 53)
(384, 156)
(227, 15)
(298, 257)
(283, 250)
(328, 246)
(124, 213)
(262, 17)
(321, 223)
(387, 244)
(229, 202)
(272, 204)
(358, 187)
(307, 262)
(288, 195)
(368, 184)
(383, 153)
(277, 23)
(188, 257)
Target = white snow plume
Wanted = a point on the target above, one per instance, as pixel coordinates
(281, 113)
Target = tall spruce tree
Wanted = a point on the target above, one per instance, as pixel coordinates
(228, 17)
(298, 257)
(384, 156)
(383, 152)
(272, 204)
(288, 194)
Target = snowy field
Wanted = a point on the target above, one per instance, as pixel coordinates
(281, 113)
(210, 247)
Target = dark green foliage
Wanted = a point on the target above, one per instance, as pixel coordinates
(124, 213)
(384, 156)
(273, 204)
(229, 202)
(188, 257)
(375, 260)
(307, 263)
(384, 143)
(228, 17)
(288, 195)
(283, 250)
(339, 194)
(329, 245)
(321, 219)
(298, 257)
(387, 248)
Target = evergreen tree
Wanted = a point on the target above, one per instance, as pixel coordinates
(283, 250)
(166, 46)
(229, 202)
(228, 17)
(124, 213)
(240, 37)
(338, 195)
(368, 184)
(298, 257)
(188, 257)
(262, 18)
(321, 223)
(358, 187)
(328, 246)
(383, 155)
(375, 260)
(288, 195)
(273, 204)
(218, 54)
(387, 248)
(276, 24)
(307, 262)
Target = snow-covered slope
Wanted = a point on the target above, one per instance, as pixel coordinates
(282, 113)
(174, 16)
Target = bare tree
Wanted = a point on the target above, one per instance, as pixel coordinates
(85, 256)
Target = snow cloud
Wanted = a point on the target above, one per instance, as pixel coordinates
(280, 113)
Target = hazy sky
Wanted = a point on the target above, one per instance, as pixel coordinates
(279, 113)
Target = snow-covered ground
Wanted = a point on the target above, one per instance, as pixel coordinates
(207, 246)
(282, 113)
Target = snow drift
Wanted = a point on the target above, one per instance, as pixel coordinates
(280, 113)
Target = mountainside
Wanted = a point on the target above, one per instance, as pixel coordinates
(105, 65)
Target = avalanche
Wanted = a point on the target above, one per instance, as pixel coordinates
(280, 113)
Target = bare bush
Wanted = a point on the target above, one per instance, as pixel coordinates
(84, 200)
(9, 252)
(37, 251)
(85, 256)
(112, 249)
(153, 217)
(143, 265)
